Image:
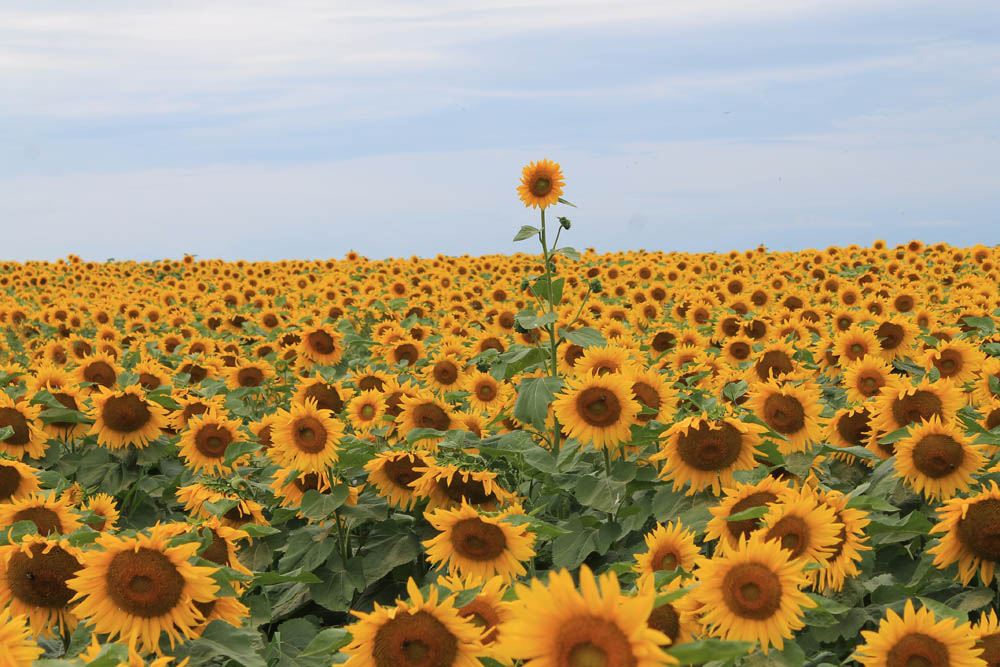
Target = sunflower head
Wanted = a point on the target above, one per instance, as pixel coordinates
(541, 184)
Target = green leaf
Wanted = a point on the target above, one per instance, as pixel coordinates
(860, 452)
(895, 436)
(6, 432)
(563, 201)
(256, 530)
(298, 574)
(237, 449)
(942, 611)
(970, 600)
(528, 319)
(534, 395)
(64, 415)
(600, 493)
(571, 253)
(527, 231)
(327, 642)
(752, 513)
(571, 549)
(222, 639)
(516, 359)
(584, 337)
(336, 591)
(541, 289)
(735, 390)
(318, 506)
(219, 507)
(704, 650)
(418, 434)
(986, 325)
(110, 655)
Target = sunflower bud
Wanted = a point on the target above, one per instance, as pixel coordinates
(564, 222)
(595, 286)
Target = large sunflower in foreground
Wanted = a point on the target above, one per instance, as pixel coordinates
(16, 646)
(541, 184)
(475, 545)
(124, 417)
(937, 460)
(597, 410)
(971, 528)
(418, 633)
(753, 593)
(139, 588)
(705, 452)
(306, 438)
(33, 577)
(918, 639)
(555, 625)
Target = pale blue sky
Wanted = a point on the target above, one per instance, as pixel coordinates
(305, 128)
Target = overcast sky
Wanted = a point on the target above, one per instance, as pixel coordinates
(307, 128)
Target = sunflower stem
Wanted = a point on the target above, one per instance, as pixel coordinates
(553, 340)
(607, 461)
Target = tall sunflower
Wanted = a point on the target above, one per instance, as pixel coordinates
(918, 638)
(753, 593)
(667, 548)
(597, 410)
(541, 184)
(104, 508)
(971, 528)
(124, 417)
(555, 624)
(365, 411)
(322, 345)
(855, 344)
(33, 577)
(957, 360)
(705, 453)
(937, 460)
(306, 438)
(417, 633)
(477, 545)
(486, 393)
(789, 410)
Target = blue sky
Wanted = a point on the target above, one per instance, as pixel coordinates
(307, 128)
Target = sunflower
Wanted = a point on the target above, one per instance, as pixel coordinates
(651, 390)
(541, 184)
(956, 360)
(16, 646)
(486, 393)
(597, 410)
(983, 392)
(365, 411)
(864, 379)
(737, 349)
(487, 610)
(322, 345)
(306, 438)
(850, 427)
(99, 369)
(139, 588)
(402, 351)
(667, 548)
(328, 395)
(675, 620)
(897, 407)
(554, 624)
(393, 474)
(478, 546)
(705, 452)
(222, 546)
(249, 374)
(28, 438)
(740, 498)
(601, 360)
(152, 374)
(971, 528)
(449, 486)
(803, 527)
(124, 417)
(789, 410)
(424, 412)
(33, 577)
(194, 496)
(918, 639)
(987, 634)
(443, 373)
(367, 378)
(896, 336)
(17, 480)
(203, 445)
(753, 593)
(937, 460)
(840, 563)
(70, 398)
(191, 406)
(104, 508)
(775, 360)
(855, 344)
(49, 514)
(418, 633)
(289, 490)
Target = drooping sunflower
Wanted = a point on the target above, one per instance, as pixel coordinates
(554, 624)
(896, 336)
(139, 588)
(33, 577)
(907, 404)
(789, 410)
(48, 513)
(597, 410)
(957, 360)
(667, 548)
(449, 486)
(203, 445)
(842, 561)
(306, 438)
(987, 634)
(152, 374)
(850, 427)
(753, 593)
(937, 460)
(365, 411)
(28, 438)
(417, 633)
(775, 360)
(17, 480)
(17, 648)
(476, 545)
(124, 417)
(740, 498)
(971, 528)
(918, 638)
(393, 474)
(541, 184)
(104, 508)
(705, 453)
(864, 379)
(803, 527)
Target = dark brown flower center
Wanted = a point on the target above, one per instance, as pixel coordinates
(144, 583)
(45, 520)
(371, 382)
(915, 649)
(400, 471)
(321, 342)
(591, 641)
(598, 406)
(482, 615)
(708, 449)
(249, 377)
(773, 363)
(949, 363)
(869, 383)
(665, 619)
(126, 413)
(477, 540)
(309, 435)
(741, 528)
(890, 335)
(919, 406)
(13, 418)
(541, 186)
(854, 427)
(740, 350)
(445, 372)
(784, 414)
(664, 341)
(979, 530)
(406, 352)
(793, 533)
(430, 415)
(39, 580)
(326, 397)
(938, 455)
(648, 397)
(991, 649)
(752, 590)
(211, 440)
(414, 640)
(99, 372)
(10, 481)
(471, 490)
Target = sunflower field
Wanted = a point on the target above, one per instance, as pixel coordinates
(549, 459)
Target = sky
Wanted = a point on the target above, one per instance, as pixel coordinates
(268, 130)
